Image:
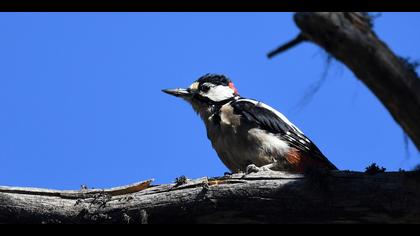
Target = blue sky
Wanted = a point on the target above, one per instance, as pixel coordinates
(81, 100)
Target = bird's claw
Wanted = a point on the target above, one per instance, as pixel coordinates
(252, 169)
(255, 169)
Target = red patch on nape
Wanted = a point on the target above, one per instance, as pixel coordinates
(232, 86)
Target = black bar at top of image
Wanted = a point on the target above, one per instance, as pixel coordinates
(206, 5)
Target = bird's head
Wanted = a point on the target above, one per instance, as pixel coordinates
(207, 91)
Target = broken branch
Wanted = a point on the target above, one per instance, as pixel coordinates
(284, 47)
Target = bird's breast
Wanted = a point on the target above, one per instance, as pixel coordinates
(239, 145)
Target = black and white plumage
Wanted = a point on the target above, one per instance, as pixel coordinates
(249, 135)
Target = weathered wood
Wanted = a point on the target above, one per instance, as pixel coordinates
(83, 193)
(348, 37)
(267, 197)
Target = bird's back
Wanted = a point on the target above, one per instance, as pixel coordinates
(246, 131)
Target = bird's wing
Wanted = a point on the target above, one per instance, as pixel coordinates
(267, 118)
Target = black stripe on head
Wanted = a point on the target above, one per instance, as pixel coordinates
(214, 79)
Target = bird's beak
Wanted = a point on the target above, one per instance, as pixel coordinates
(179, 92)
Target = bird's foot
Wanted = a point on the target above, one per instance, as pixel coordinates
(255, 169)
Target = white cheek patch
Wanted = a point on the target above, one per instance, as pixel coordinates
(219, 93)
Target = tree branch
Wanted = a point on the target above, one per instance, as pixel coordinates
(267, 197)
(348, 37)
(284, 47)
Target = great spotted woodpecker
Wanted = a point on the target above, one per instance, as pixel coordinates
(248, 135)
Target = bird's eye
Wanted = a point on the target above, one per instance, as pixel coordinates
(205, 88)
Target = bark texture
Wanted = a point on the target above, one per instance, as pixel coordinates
(267, 197)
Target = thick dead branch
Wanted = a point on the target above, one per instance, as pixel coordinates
(348, 37)
(268, 197)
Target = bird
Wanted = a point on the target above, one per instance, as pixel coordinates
(248, 135)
